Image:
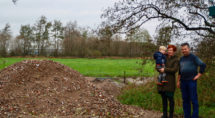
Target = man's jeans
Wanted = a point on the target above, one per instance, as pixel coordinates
(189, 94)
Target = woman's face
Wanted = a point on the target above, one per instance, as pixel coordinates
(170, 52)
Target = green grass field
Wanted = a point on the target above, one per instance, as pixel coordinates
(97, 67)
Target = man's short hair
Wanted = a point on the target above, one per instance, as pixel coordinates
(185, 44)
(162, 48)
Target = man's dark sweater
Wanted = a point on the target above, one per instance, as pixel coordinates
(189, 65)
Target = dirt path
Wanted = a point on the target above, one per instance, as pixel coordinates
(113, 88)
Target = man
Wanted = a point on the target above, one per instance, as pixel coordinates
(187, 80)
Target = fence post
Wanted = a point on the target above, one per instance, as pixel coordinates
(124, 78)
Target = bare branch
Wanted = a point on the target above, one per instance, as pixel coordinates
(14, 1)
(131, 15)
(165, 16)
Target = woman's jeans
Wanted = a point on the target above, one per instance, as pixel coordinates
(165, 100)
(189, 94)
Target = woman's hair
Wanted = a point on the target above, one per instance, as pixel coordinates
(173, 47)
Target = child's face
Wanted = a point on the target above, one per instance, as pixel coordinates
(163, 51)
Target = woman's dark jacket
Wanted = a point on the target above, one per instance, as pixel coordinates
(171, 68)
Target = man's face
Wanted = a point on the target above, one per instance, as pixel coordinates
(185, 50)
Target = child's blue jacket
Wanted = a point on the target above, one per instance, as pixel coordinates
(159, 57)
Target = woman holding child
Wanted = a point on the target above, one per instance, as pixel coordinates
(167, 89)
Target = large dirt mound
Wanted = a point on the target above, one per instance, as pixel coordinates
(49, 89)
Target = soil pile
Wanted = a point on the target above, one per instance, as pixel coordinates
(44, 88)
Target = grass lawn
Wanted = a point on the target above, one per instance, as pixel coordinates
(97, 67)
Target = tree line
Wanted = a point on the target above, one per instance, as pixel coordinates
(125, 16)
(46, 38)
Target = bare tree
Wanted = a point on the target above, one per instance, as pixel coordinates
(5, 36)
(14, 1)
(42, 36)
(25, 39)
(72, 38)
(190, 15)
(205, 49)
(164, 36)
(57, 34)
(105, 35)
(136, 38)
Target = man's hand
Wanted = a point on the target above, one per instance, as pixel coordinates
(162, 70)
(197, 76)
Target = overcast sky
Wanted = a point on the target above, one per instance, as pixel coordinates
(86, 12)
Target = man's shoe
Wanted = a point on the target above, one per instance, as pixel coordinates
(171, 115)
(164, 116)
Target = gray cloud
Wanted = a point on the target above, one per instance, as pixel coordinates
(85, 12)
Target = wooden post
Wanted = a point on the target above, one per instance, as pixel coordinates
(124, 78)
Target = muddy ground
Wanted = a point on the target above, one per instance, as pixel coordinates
(44, 88)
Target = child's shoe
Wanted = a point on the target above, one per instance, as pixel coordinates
(159, 84)
(164, 81)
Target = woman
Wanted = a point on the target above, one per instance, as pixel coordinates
(167, 90)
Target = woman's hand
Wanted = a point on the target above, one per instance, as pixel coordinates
(178, 84)
(178, 81)
(162, 70)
